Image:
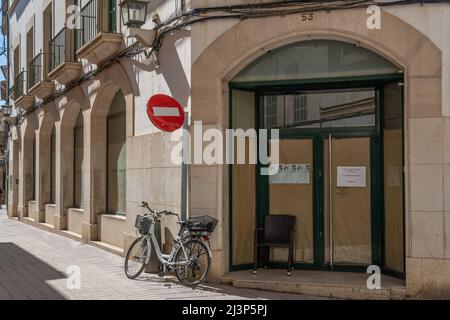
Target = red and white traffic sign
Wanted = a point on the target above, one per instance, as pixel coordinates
(165, 113)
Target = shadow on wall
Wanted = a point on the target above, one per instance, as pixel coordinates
(171, 67)
(24, 277)
(20, 8)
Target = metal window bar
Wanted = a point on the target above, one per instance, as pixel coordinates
(35, 71)
(57, 50)
(91, 21)
(112, 14)
(19, 85)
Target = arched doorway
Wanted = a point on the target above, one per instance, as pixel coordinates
(338, 109)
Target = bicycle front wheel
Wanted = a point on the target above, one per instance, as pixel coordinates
(193, 267)
(136, 258)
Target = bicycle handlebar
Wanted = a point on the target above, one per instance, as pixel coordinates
(165, 212)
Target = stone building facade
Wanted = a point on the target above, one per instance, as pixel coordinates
(65, 149)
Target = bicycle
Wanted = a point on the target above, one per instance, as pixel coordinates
(190, 257)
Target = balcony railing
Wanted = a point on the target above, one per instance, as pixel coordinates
(35, 70)
(19, 85)
(91, 21)
(57, 50)
(96, 18)
(63, 47)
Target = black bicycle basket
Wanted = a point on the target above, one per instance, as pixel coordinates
(142, 224)
(202, 224)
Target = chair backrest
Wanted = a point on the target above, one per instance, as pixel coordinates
(278, 228)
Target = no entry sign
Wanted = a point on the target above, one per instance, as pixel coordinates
(165, 113)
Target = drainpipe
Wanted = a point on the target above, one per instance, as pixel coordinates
(184, 166)
(184, 172)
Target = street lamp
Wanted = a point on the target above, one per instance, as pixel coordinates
(7, 110)
(134, 16)
(134, 12)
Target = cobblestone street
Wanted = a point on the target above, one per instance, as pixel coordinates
(34, 264)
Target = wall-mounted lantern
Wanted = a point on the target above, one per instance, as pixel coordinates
(6, 110)
(134, 12)
(134, 16)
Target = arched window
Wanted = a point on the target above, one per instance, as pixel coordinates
(316, 59)
(33, 170)
(78, 161)
(116, 156)
(53, 165)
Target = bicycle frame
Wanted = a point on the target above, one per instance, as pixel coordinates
(166, 260)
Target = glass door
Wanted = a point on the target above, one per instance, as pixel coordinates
(347, 201)
(291, 193)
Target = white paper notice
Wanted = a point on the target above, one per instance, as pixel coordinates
(351, 177)
(292, 174)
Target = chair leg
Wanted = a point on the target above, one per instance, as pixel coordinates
(255, 269)
(291, 257)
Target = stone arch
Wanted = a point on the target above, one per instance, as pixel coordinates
(46, 162)
(415, 54)
(65, 159)
(102, 92)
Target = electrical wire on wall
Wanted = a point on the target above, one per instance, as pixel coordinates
(184, 18)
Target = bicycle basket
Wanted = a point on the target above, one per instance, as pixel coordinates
(202, 224)
(142, 224)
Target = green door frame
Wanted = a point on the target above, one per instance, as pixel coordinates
(318, 135)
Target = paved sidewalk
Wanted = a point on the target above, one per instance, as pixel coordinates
(34, 264)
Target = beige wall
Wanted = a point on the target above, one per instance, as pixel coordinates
(151, 175)
(427, 253)
(219, 51)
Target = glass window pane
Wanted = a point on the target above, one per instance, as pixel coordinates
(53, 166)
(78, 161)
(320, 109)
(316, 59)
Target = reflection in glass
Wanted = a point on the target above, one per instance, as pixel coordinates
(316, 59)
(320, 109)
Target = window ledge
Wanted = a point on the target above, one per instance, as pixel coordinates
(76, 210)
(115, 217)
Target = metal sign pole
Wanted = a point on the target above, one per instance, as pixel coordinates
(330, 179)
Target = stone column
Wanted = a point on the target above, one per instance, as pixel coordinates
(64, 174)
(93, 174)
(13, 176)
(43, 174)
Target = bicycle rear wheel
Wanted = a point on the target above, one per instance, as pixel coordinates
(199, 260)
(135, 260)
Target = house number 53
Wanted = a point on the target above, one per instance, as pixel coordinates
(307, 16)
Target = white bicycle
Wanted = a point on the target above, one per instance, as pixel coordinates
(190, 257)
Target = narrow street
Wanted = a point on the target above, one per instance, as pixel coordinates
(35, 264)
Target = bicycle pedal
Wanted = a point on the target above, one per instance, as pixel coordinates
(161, 274)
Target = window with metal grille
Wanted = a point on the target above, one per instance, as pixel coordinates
(300, 108)
(270, 111)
